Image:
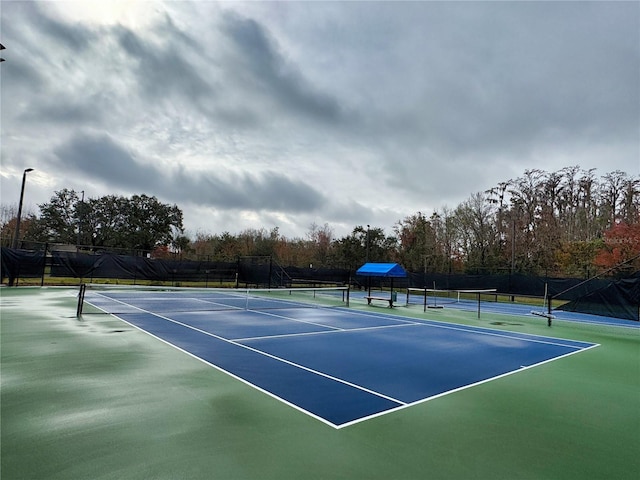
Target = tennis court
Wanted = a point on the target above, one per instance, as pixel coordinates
(222, 388)
(485, 303)
(338, 365)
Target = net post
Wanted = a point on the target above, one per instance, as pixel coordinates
(391, 294)
(425, 299)
(435, 295)
(83, 288)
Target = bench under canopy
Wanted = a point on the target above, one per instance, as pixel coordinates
(386, 270)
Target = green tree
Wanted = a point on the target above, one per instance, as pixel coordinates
(417, 243)
(361, 245)
(228, 247)
(150, 223)
(105, 222)
(351, 251)
(576, 259)
(181, 244)
(138, 223)
(58, 219)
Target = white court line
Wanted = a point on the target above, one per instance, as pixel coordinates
(269, 314)
(283, 360)
(464, 387)
(529, 337)
(325, 332)
(401, 404)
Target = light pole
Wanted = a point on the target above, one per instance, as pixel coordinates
(17, 233)
(80, 210)
(367, 247)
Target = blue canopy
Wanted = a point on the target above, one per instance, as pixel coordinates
(392, 270)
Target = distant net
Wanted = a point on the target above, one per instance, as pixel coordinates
(115, 299)
(438, 298)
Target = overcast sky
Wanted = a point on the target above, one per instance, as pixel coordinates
(285, 114)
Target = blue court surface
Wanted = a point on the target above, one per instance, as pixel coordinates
(340, 365)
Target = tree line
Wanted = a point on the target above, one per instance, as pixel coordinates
(564, 223)
(139, 223)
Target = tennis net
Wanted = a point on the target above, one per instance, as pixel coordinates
(437, 298)
(116, 299)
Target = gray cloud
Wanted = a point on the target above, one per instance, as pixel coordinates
(56, 33)
(99, 158)
(267, 191)
(273, 75)
(344, 113)
(66, 110)
(161, 70)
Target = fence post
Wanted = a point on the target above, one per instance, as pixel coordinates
(237, 272)
(44, 263)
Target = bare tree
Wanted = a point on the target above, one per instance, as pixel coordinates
(612, 191)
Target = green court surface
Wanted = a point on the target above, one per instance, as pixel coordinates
(94, 398)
